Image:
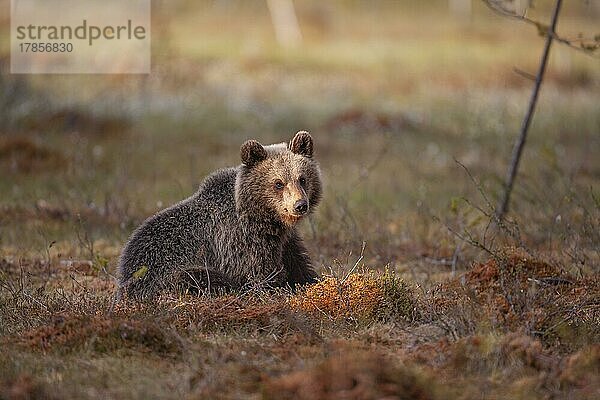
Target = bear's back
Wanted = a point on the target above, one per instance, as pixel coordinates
(215, 198)
(177, 235)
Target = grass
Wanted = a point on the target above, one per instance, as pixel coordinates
(438, 304)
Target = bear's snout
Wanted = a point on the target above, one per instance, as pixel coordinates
(301, 207)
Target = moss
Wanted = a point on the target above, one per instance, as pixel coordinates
(365, 297)
(357, 296)
(398, 298)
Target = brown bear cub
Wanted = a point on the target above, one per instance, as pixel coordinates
(237, 231)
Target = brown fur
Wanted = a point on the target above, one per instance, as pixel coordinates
(238, 229)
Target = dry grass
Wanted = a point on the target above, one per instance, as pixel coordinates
(440, 304)
(526, 326)
(519, 292)
(349, 374)
(76, 332)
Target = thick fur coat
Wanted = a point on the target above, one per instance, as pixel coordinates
(238, 230)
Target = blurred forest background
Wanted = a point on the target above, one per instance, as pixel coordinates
(414, 107)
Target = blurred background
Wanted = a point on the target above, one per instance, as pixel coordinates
(397, 94)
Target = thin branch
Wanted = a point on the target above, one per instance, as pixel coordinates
(362, 251)
(520, 143)
(524, 74)
(478, 186)
(492, 215)
(586, 45)
(467, 237)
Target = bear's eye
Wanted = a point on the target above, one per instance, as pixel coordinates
(279, 184)
(302, 180)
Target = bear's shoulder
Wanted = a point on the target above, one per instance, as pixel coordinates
(220, 185)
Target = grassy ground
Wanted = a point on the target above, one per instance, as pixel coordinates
(413, 113)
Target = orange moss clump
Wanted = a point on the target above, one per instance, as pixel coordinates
(356, 296)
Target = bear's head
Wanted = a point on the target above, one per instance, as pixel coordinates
(279, 182)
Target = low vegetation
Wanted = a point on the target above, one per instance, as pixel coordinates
(423, 294)
(514, 326)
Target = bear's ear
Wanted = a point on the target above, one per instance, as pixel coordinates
(252, 153)
(302, 144)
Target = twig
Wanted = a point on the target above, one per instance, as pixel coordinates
(362, 250)
(520, 143)
(478, 186)
(524, 74)
(492, 216)
(467, 237)
(455, 257)
(435, 261)
(587, 48)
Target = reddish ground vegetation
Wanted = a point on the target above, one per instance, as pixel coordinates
(364, 121)
(24, 387)
(72, 332)
(19, 154)
(357, 296)
(225, 312)
(518, 291)
(513, 327)
(582, 369)
(73, 120)
(350, 374)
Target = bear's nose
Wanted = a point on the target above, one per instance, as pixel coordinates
(301, 206)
